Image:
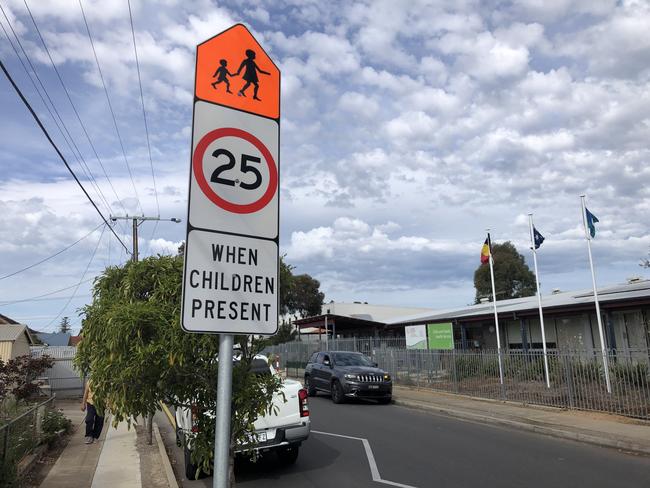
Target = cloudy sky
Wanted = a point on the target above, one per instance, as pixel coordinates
(408, 128)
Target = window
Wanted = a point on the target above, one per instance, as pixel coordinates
(351, 359)
(313, 357)
(260, 366)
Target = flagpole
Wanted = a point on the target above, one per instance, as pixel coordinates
(593, 280)
(539, 299)
(496, 316)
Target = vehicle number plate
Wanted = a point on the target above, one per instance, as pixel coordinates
(373, 387)
(261, 437)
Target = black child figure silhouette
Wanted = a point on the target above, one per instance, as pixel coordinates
(250, 75)
(221, 75)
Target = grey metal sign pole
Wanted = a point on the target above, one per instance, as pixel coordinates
(222, 420)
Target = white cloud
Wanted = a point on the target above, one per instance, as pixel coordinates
(163, 246)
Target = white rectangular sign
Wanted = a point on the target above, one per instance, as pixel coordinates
(234, 173)
(235, 288)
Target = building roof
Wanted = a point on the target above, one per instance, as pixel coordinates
(637, 291)
(54, 339)
(9, 333)
(75, 340)
(6, 320)
(370, 312)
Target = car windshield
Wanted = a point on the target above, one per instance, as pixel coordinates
(351, 359)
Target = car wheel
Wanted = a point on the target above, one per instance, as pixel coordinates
(337, 392)
(311, 391)
(288, 455)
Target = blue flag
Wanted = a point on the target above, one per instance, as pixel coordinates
(538, 238)
(591, 220)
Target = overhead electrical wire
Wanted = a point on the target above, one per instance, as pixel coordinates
(50, 257)
(37, 297)
(59, 123)
(74, 108)
(110, 106)
(46, 299)
(58, 151)
(144, 113)
(83, 275)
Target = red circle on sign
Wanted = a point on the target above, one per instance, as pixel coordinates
(197, 165)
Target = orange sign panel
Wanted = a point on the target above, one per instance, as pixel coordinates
(233, 70)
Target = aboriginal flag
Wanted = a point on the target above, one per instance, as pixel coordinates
(486, 250)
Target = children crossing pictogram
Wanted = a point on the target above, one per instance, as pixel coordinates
(226, 67)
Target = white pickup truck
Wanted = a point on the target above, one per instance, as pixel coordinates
(282, 432)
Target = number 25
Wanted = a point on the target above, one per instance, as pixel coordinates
(244, 167)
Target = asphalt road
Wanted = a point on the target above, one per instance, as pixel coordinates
(417, 449)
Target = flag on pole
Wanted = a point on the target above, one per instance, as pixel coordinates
(591, 220)
(539, 238)
(485, 251)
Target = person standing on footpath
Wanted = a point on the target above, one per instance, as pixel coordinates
(94, 421)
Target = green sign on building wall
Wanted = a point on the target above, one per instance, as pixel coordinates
(440, 336)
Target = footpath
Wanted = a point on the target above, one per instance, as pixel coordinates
(121, 460)
(591, 427)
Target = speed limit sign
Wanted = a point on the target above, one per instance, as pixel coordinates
(234, 183)
(230, 278)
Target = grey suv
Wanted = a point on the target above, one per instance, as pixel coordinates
(347, 374)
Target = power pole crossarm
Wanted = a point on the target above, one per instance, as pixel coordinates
(137, 221)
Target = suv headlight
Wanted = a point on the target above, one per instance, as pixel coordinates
(352, 377)
(386, 377)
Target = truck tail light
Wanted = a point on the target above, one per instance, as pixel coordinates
(303, 402)
(195, 416)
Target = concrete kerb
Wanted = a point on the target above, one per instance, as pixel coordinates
(531, 426)
(167, 465)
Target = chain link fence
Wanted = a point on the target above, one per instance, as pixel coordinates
(21, 435)
(577, 378)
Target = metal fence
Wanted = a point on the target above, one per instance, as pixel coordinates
(22, 434)
(577, 378)
(62, 378)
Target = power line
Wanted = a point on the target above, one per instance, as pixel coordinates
(48, 299)
(68, 139)
(74, 108)
(11, 302)
(82, 278)
(50, 257)
(47, 135)
(144, 113)
(110, 106)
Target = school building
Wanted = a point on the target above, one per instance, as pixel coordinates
(569, 319)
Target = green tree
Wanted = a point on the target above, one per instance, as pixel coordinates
(64, 326)
(286, 285)
(137, 355)
(512, 276)
(285, 333)
(305, 297)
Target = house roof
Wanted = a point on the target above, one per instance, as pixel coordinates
(6, 320)
(638, 291)
(9, 333)
(54, 339)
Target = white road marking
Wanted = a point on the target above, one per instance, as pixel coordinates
(374, 470)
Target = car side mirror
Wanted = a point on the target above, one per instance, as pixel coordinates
(326, 362)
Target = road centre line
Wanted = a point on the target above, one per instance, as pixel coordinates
(374, 470)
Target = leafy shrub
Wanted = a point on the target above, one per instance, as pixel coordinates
(53, 422)
(476, 366)
(632, 374)
(18, 376)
